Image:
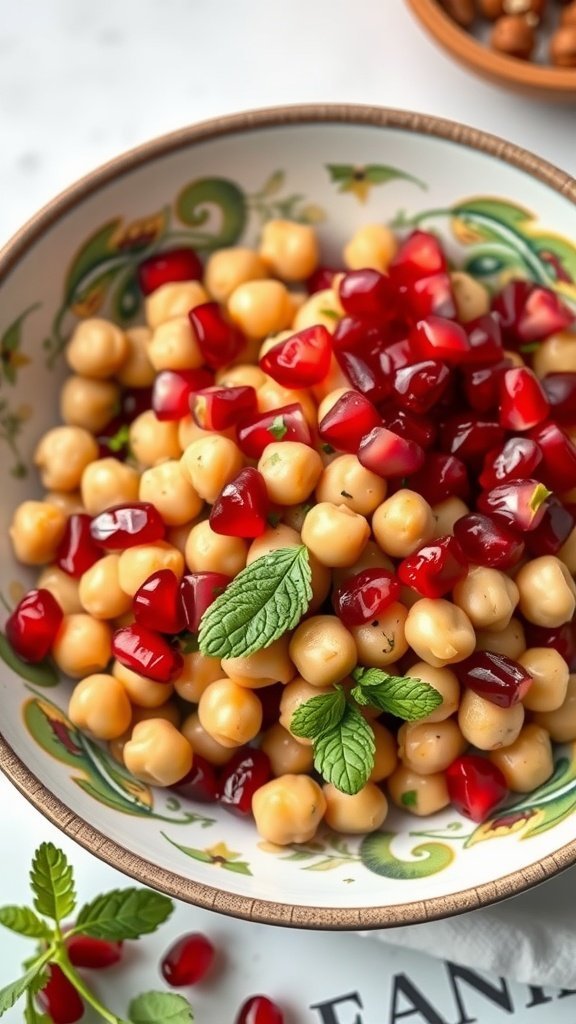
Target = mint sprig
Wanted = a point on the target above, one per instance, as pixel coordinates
(318, 714)
(344, 753)
(52, 883)
(401, 696)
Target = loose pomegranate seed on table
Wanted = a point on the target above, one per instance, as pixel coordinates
(259, 1010)
(32, 627)
(188, 960)
(59, 999)
(167, 267)
(97, 954)
(125, 526)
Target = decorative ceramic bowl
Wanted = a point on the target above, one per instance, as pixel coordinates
(501, 212)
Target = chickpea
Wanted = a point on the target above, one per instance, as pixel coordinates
(547, 591)
(528, 762)
(383, 640)
(100, 592)
(372, 557)
(418, 794)
(287, 756)
(231, 714)
(291, 471)
(443, 680)
(488, 597)
(385, 757)
(322, 307)
(429, 747)
(203, 743)
(138, 563)
(323, 650)
(446, 513)
(178, 535)
(403, 523)
(365, 811)
(137, 371)
(260, 308)
(157, 753)
(561, 723)
(171, 492)
(174, 346)
(346, 481)
(108, 482)
(168, 712)
(557, 354)
(373, 245)
(88, 403)
(210, 463)
(62, 455)
(471, 297)
(294, 694)
(510, 641)
(335, 534)
(97, 348)
(440, 632)
(269, 665)
(289, 249)
(99, 705)
(207, 551)
(486, 725)
(228, 268)
(189, 431)
(242, 375)
(174, 299)
(198, 671)
(62, 586)
(67, 501)
(36, 530)
(83, 645)
(550, 674)
(567, 552)
(288, 809)
(153, 440)
(142, 692)
(272, 395)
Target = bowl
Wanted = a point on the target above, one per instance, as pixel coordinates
(501, 212)
(544, 82)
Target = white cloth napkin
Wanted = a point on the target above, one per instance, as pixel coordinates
(530, 938)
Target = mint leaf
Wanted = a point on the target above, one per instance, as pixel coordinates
(318, 714)
(401, 696)
(123, 914)
(11, 993)
(24, 921)
(263, 602)
(160, 1008)
(278, 428)
(344, 755)
(52, 882)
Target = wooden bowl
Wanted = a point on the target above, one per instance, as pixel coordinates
(537, 80)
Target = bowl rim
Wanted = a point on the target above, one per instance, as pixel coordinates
(27, 783)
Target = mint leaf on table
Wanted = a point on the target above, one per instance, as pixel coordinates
(160, 1008)
(123, 914)
(52, 882)
(263, 602)
(24, 921)
(344, 754)
(402, 696)
(318, 714)
(32, 979)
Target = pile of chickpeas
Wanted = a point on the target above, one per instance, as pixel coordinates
(328, 501)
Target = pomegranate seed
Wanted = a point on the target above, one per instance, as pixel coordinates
(556, 526)
(32, 627)
(523, 403)
(197, 592)
(301, 360)
(134, 401)
(219, 341)
(125, 526)
(220, 408)
(485, 337)
(397, 355)
(284, 424)
(242, 506)
(561, 639)
(188, 960)
(521, 503)
(59, 999)
(468, 436)
(560, 390)
(434, 569)
(84, 951)
(419, 255)
(516, 458)
(420, 386)
(365, 596)
(322, 279)
(429, 296)
(367, 294)
(482, 385)
(157, 605)
(259, 1010)
(270, 697)
(353, 334)
(147, 653)
(439, 338)
(367, 377)
(246, 772)
(201, 784)
(388, 454)
(495, 678)
(413, 428)
(77, 552)
(487, 541)
(166, 267)
(476, 786)
(441, 477)
(350, 418)
(172, 389)
(529, 312)
(558, 469)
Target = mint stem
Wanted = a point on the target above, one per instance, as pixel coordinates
(80, 985)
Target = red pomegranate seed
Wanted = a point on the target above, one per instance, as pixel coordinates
(388, 454)
(439, 338)
(172, 390)
(365, 596)
(84, 951)
(32, 627)
(270, 697)
(485, 540)
(301, 360)
(77, 552)
(485, 337)
(169, 266)
(350, 418)
(529, 312)
(201, 784)
(556, 526)
(516, 458)
(59, 999)
(560, 390)
(561, 639)
(396, 356)
(259, 1010)
(197, 592)
(420, 429)
(366, 375)
(322, 279)
(429, 296)
(284, 424)
(521, 503)
(420, 386)
(353, 334)
(441, 477)
(469, 435)
(482, 385)
(419, 255)
(157, 604)
(435, 568)
(558, 468)
(220, 408)
(241, 508)
(523, 403)
(476, 786)
(494, 677)
(246, 772)
(219, 341)
(188, 960)
(367, 294)
(147, 653)
(125, 526)
(133, 402)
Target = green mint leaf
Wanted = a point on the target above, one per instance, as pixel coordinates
(52, 882)
(24, 921)
(318, 714)
(344, 755)
(263, 602)
(123, 914)
(11, 993)
(409, 798)
(278, 428)
(401, 696)
(160, 1008)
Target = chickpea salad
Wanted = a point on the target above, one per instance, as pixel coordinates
(308, 536)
